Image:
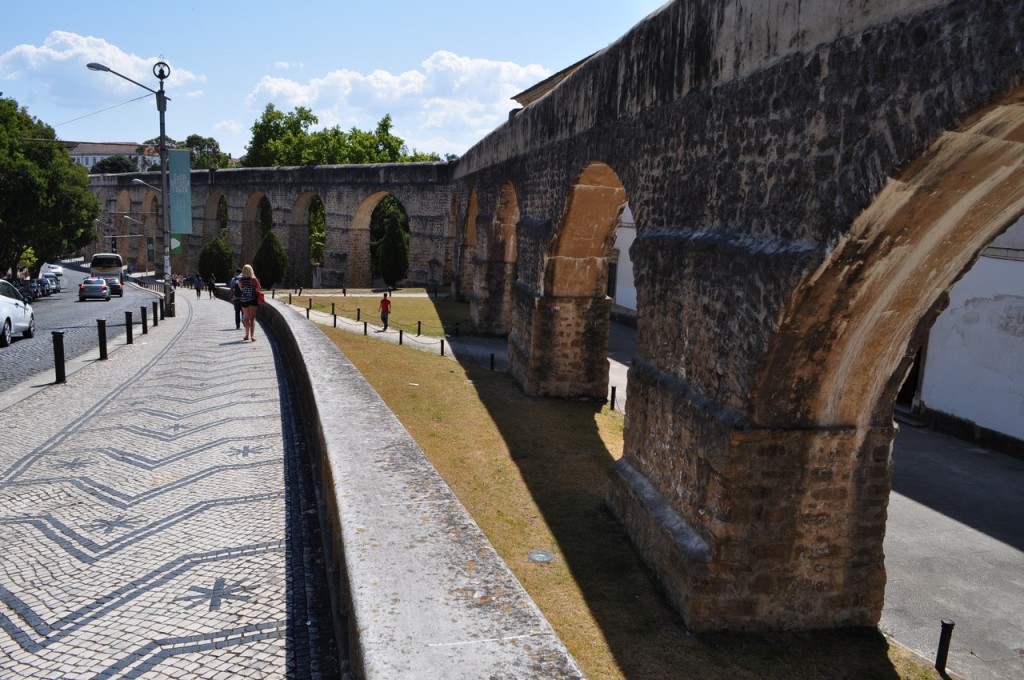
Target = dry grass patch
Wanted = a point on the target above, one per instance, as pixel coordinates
(533, 472)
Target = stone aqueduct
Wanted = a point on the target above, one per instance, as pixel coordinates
(808, 180)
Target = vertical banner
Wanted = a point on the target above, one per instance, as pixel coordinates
(150, 257)
(179, 180)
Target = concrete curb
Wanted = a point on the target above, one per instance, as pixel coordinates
(426, 593)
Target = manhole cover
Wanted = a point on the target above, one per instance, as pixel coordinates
(541, 556)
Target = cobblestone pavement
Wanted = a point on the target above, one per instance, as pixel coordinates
(158, 518)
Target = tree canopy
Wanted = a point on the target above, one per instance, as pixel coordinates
(45, 202)
(113, 165)
(280, 138)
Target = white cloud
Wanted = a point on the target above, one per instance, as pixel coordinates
(449, 103)
(48, 63)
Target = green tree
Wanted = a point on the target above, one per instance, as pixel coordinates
(270, 261)
(113, 165)
(279, 138)
(393, 246)
(45, 202)
(266, 217)
(205, 153)
(317, 231)
(216, 258)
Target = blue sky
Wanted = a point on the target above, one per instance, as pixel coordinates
(444, 70)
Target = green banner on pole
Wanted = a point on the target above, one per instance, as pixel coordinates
(150, 250)
(176, 241)
(179, 179)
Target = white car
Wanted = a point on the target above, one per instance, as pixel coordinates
(16, 315)
(53, 269)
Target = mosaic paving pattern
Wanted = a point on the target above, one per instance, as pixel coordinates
(156, 519)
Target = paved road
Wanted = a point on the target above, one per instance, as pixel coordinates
(63, 312)
(159, 522)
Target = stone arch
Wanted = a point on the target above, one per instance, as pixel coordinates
(133, 230)
(299, 266)
(211, 225)
(568, 334)
(360, 269)
(495, 267)
(251, 233)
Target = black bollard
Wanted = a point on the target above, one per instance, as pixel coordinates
(307, 312)
(309, 304)
(613, 398)
(101, 330)
(335, 320)
(399, 336)
(58, 355)
(142, 310)
(944, 637)
(155, 315)
(442, 346)
(289, 298)
(358, 313)
(332, 309)
(162, 309)
(344, 293)
(128, 328)
(419, 328)
(364, 328)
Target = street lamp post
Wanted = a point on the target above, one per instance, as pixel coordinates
(162, 71)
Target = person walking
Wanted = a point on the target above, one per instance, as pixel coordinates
(198, 283)
(210, 285)
(235, 299)
(249, 293)
(385, 311)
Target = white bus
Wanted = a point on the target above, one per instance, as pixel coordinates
(107, 264)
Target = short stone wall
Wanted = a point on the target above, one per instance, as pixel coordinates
(425, 592)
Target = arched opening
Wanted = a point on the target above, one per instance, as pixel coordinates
(566, 336)
(305, 239)
(389, 242)
(495, 267)
(257, 220)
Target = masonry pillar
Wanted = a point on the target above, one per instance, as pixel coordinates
(559, 345)
(754, 529)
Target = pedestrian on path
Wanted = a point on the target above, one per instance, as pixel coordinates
(198, 283)
(249, 293)
(385, 311)
(210, 285)
(236, 301)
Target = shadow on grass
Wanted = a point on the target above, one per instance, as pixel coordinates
(598, 594)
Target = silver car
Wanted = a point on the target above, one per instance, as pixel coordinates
(16, 315)
(92, 288)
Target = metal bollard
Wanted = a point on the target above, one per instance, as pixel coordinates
(364, 328)
(399, 336)
(944, 637)
(419, 328)
(344, 293)
(358, 313)
(289, 298)
(613, 398)
(307, 312)
(442, 346)
(142, 310)
(162, 309)
(155, 315)
(128, 328)
(58, 356)
(332, 308)
(335, 320)
(101, 329)
(309, 305)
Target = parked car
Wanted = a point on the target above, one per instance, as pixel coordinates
(34, 287)
(116, 287)
(45, 286)
(54, 281)
(16, 315)
(93, 288)
(23, 287)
